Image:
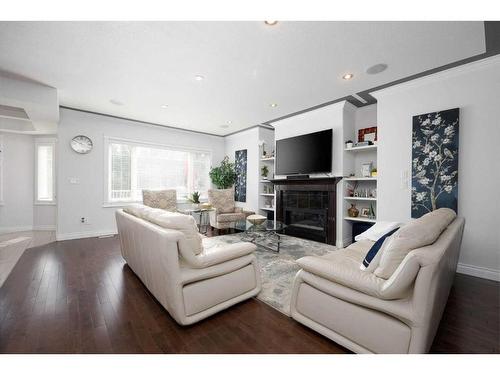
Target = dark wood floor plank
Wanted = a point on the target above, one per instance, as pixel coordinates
(80, 297)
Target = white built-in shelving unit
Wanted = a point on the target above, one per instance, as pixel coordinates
(267, 194)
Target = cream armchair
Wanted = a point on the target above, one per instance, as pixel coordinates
(368, 314)
(192, 282)
(225, 212)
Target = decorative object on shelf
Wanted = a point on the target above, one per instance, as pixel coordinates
(223, 176)
(350, 189)
(256, 219)
(374, 172)
(264, 171)
(434, 162)
(353, 211)
(363, 144)
(371, 212)
(373, 193)
(365, 212)
(367, 134)
(349, 144)
(81, 144)
(366, 169)
(195, 198)
(240, 187)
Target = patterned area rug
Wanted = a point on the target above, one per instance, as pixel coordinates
(278, 269)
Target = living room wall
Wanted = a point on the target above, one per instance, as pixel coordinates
(85, 198)
(474, 89)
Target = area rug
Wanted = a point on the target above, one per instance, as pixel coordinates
(277, 269)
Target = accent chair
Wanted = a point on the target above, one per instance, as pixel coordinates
(225, 212)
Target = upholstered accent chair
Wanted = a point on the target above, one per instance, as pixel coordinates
(396, 312)
(225, 212)
(163, 199)
(191, 278)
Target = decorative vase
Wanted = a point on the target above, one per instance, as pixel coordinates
(353, 211)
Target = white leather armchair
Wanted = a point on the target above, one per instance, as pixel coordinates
(190, 285)
(368, 314)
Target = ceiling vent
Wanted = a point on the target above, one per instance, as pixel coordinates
(14, 113)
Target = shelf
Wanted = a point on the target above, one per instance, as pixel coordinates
(267, 159)
(266, 182)
(267, 194)
(361, 148)
(267, 209)
(360, 199)
(360, 179)
(361, 219)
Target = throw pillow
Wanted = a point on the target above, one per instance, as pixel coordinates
(377, 230)
(374, 250)
(163, 199)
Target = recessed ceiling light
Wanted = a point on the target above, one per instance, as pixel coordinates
(199, 77)
(274, 105)
(348, 76)
(164, 106)
(375, 69)
(270, 23)
(115, 102)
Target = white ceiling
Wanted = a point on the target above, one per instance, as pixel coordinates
(246, 65)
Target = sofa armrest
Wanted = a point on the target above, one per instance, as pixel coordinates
(220, 254)
(248, 213)
(238, 210)
(343, 272)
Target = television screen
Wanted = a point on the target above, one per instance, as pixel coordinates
(309, 153)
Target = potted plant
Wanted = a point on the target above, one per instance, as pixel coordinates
(264, 171)
(223, 176)
(348, 144)
(195, 199)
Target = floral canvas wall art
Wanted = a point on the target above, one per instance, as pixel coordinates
(240, 188)
(434, 162)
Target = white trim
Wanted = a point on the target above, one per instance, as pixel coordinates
(1, 170)
(4, 230)
(482, 272)
(432, 78)
(44, 227)
(78, 235)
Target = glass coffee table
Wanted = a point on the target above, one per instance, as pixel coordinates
(265, 234)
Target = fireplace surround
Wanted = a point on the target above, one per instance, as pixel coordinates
(308, 207)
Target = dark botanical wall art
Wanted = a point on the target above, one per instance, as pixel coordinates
(240, 188)
(434, 162)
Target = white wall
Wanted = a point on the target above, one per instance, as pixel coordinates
(85, 199)
(474, 89)
(247, 140)
(16, 213)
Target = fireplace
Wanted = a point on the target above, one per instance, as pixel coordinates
(308, 207)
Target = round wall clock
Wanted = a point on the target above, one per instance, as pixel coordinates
(81, 144)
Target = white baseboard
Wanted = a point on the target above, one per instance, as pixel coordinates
(78, 235)
(482, 272)
(4, 230)
(44, 227)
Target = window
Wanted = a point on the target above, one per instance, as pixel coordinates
(45, 171)
(133, 167)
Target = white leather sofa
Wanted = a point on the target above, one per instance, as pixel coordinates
(165, 251)
(369, 314)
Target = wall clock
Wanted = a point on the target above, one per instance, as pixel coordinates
(81, 144)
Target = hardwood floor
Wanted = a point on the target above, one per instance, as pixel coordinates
(80, 297)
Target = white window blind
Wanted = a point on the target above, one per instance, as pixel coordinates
(45, 155)
(134, 167)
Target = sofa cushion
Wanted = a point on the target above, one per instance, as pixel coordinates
(222, 200)
(377, 230)
(371, 254)
(418, 233)
(170, 220)
(164, 199)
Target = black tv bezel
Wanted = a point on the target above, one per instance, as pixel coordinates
(302, 136)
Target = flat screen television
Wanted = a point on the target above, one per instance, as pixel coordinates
(305, 154)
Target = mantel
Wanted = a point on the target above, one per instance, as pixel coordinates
(307, 181)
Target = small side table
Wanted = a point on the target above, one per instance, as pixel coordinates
(204, 217)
